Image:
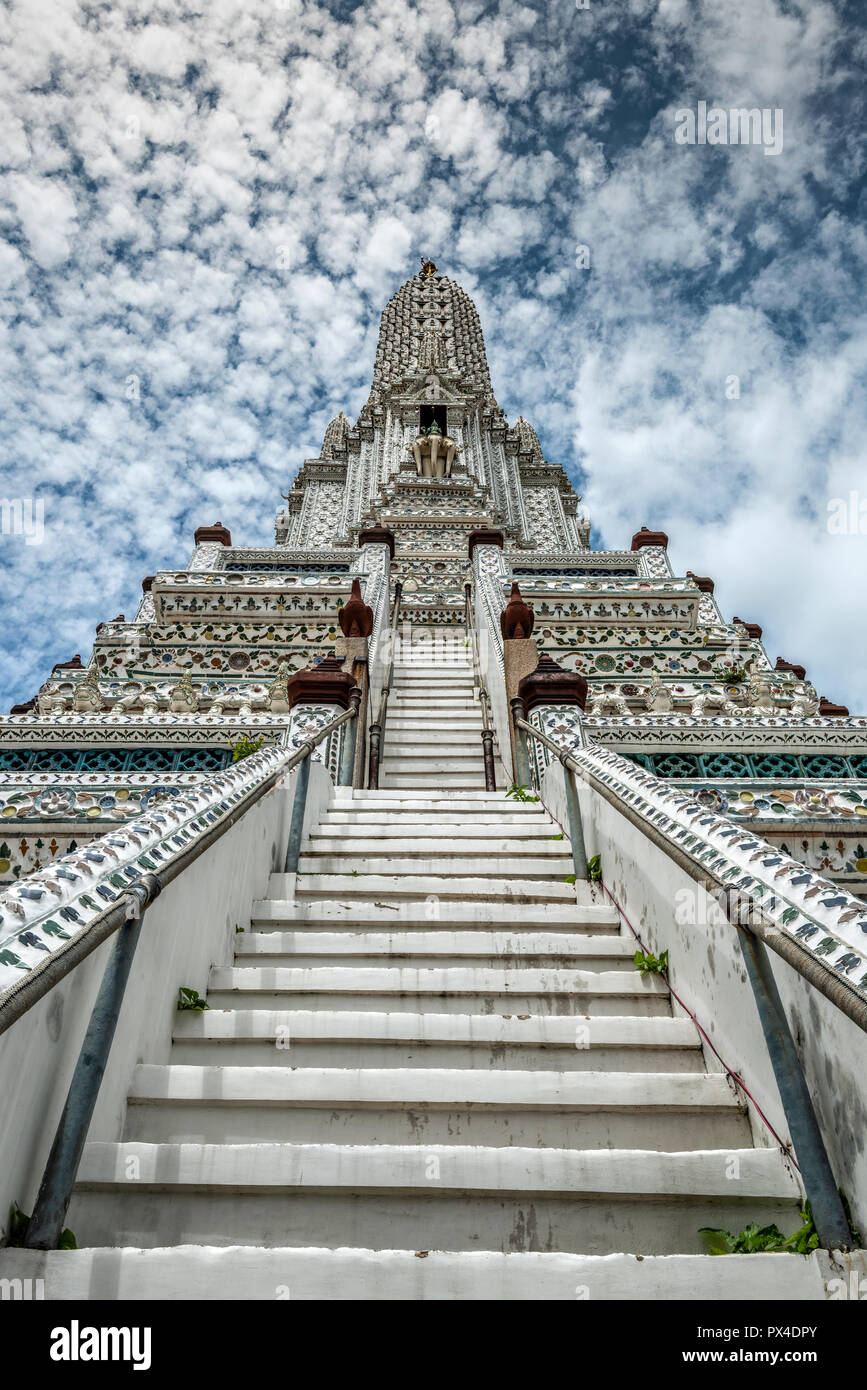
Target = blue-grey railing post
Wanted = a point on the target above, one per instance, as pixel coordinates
(58, 1180)
(829, 1216)
(522, 752)
(376, 733)
(487, 731)
(576, 824)
(346, 773)
(299, 806)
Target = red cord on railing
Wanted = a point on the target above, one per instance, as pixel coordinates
(736, 1078)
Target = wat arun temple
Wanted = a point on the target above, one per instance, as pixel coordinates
(443, 995)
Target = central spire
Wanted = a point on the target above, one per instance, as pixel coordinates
(431, 324)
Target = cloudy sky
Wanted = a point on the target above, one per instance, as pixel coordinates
(205, 204)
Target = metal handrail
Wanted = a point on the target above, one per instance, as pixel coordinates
(61, 1169)
(487, 733)
(755, 932)
(376, 732)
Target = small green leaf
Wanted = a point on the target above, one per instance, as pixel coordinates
(646, 964)
(191, 999)
(717, 1242)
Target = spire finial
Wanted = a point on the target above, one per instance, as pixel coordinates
(427, 267)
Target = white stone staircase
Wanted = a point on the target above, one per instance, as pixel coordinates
(435, 1073)
(434, 725)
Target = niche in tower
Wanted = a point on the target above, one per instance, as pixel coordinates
(440, 413)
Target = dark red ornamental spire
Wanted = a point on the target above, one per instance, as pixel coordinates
(355, 617)
(517, 618)
(645, 537)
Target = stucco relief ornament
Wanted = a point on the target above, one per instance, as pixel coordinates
(760, 695)
(87, 696)
(806, 702)
(714, 703)
(609, 702)
(183, 698)
(282, 522)
(276, 699)
(657, 697)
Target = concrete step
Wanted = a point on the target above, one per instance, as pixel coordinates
(424, 740)
(437, 845)
(335, 1038)
(241, 1273)
(667, 1111)
(419, 780)
(277, 911)
(443, 945)
(475, 1198)
(529, 863)
(417, 757)
(414, 702)
(431, 989)
(441, 883)
(431, 950)
(470, 799)
(399, 827)
(418, 815)
(467, 725)
(434, 675)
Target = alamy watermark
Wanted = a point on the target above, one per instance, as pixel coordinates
(741, 125)
(847, 516)
(21, 516)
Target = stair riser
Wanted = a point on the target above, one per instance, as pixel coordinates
(412, 780)
(479, 1057)
(482, 836)
(425, 961)
(544, 1005)
(413, 812)
(529, 866)
(452, 882)
(413, 1222)
(425, 916)
(436, 845)
(504, 946)
(220, 1122)
(247, 1273)
(415, 738)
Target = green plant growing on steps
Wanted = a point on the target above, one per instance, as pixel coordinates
(245, 747)
(16, 1232)
(753, 1239)
(594, 869)
(520, 793)
(191, 999)
(646, 964)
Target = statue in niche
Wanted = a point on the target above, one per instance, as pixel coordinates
(434, 452)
